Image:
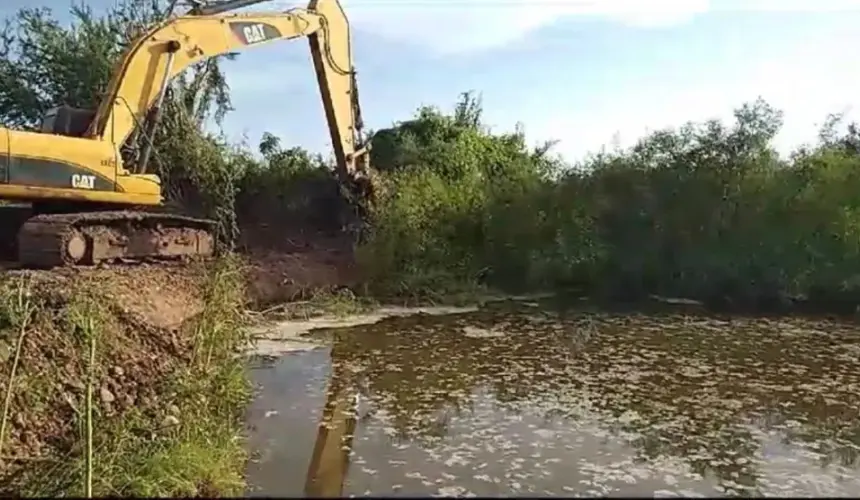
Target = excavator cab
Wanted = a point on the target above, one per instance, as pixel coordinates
(68, 121)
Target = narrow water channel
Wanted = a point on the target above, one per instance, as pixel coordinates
(531, 401)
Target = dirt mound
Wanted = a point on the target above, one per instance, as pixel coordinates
(297, 237)
(282, 277)
(141, 310)
(162, 295)
(146, 322)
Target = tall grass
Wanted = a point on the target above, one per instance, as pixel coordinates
(18, 312)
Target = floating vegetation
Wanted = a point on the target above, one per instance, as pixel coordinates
(599, 404)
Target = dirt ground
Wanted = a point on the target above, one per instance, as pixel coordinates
(163, 295)
(167, 293)
(144, 309)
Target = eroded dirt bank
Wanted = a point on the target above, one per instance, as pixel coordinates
(166, 384)
(139, 319)
(297, 266)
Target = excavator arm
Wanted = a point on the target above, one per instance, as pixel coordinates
(141, 79)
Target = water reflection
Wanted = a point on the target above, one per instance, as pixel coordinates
(540, 402)
(329, 463)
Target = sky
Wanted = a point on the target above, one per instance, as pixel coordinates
(587, 73)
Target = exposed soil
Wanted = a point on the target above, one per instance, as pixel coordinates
(163, 295)
(141, 343)
(297, 242)
(302, 264)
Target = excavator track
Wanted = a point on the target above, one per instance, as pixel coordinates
(87, 238)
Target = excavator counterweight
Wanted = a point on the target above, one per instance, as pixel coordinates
(90, 204)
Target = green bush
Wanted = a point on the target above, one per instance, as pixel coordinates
(435, 227)
(288, 188)
(707, 210)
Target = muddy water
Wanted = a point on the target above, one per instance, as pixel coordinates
(533, 401)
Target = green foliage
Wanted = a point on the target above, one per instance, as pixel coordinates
(707, 210)
(44, 64)
(288, 189)
(464, 206)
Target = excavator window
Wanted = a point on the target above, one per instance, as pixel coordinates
(66, 120)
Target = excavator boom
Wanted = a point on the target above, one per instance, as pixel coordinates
(170, 47)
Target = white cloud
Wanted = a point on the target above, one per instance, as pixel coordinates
(447, 27)
(807, 80)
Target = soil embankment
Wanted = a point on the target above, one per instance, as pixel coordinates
(290, 268)
(167, 387)
(145, 305)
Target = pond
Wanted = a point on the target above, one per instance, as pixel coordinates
(536, 401)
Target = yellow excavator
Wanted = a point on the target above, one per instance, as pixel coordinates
(88, 207)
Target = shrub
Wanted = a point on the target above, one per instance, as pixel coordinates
(706, 210)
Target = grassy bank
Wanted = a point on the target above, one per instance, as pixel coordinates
(102, 400)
